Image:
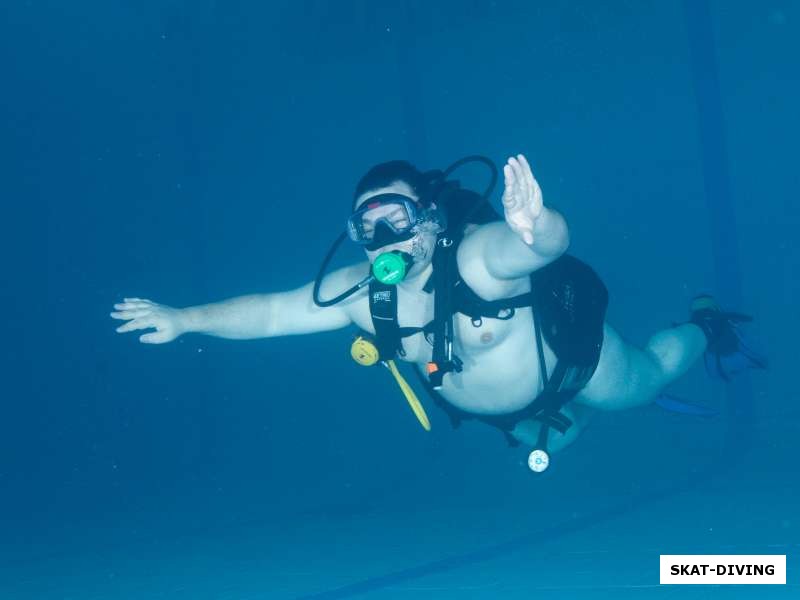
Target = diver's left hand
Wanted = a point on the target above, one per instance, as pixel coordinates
(522, 198)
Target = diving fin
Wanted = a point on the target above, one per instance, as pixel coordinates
(676, 405)
(727, 352)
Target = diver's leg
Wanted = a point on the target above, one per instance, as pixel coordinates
(527, 432)
(628, 376)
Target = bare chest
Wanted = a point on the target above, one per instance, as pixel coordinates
(501, 369)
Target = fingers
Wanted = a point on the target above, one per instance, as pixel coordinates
(509, 197)
(133, 303)
(531, 193)
(526, 168)
(521, 178)
(527, 235)
(518, 170)
(515, 193)
(135, 324)
(535, 192)
(513, 165)
(126, 315)
(522, 198)
(156, 337)
(132, 308)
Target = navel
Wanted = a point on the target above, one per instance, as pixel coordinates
(486, 337)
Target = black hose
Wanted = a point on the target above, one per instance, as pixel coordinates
(318, 281)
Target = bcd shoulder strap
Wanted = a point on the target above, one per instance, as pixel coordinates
(383, 310)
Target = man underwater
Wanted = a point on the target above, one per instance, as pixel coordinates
(501, 324)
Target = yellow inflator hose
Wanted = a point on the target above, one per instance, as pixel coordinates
(365, 353)
(411, 397)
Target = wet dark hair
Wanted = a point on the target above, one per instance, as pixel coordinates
(385, 174)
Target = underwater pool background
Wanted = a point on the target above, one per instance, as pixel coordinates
(166, 150)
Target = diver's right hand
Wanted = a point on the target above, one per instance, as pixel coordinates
(145, 314)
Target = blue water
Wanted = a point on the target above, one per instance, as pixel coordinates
(189, 152)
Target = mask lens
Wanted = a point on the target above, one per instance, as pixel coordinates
(392, 212)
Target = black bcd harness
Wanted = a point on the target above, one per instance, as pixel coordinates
(568, 301)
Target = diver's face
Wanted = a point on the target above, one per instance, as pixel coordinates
(420, 247)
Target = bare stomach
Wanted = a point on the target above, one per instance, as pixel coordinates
(501, 371)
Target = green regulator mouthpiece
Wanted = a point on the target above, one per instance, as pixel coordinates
(390, 268)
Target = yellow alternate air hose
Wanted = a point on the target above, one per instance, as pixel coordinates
(411, 397)
(365, 353)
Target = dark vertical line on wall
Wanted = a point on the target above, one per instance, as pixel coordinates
(719, 202)
(409, 85)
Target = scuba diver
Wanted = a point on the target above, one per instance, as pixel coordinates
(499, 323)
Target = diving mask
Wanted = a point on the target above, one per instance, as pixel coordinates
(383, 220)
